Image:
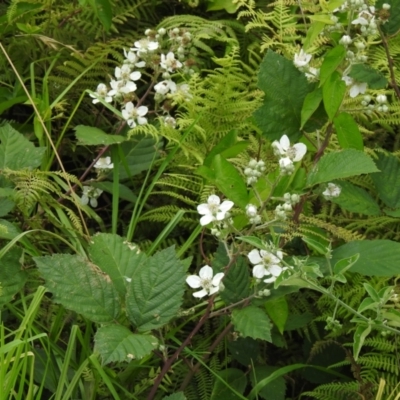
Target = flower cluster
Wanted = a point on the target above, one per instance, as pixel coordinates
(266, 263)
(288, 154)
(252, 213)
(254, 170)
(282, 209)
(147, 54)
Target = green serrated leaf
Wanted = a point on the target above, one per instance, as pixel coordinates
(285, 89)
(278, 311)
(236, 282)
(333, 92)
(6, 205)
(355, 199)
(349, 136)
(113, 256)
(360, 335)
(155, 292)
(312, 33)
(377, 257)
(345, 264)
(80, 286)
(253, 322)
(331, 61)
(140, 152)
(175, 396)
(365, 73)
(387, 181)
(372, 292)
(232, 378)
(125, 193)
(228, 5)
(341, 164)
(12, 277)
(229, 181)
(311, 103)
(274, 390)
(116, 343)
(253, 240)
(17, 152)
(104, 13)
(91, 136)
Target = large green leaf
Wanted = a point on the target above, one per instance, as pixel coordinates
(116, 343)
(377, 257)
(332, 60)
(341, 164)
(17, 152)
(80, 286)
(175, 396)
(113, 256)
(355, 199)
(139, 151)
(278, 311)
(12, 277)
(229, 181)
(274, 390)
(310, 105)
(387, 181)
(232, 378)
(333, 93)
(285, 89)
(155, 292)
(365, 73)
(236, 282)
(89, 135)
(349, 136)
(253, 322)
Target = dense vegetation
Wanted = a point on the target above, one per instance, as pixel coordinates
(199, 199)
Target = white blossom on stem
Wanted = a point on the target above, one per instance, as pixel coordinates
(301, 59)
(169, 62)
(206, 280)
(104, 163)
(90, 195)
(101, 93)
(134, 114)
(213, 210)
(265, 264)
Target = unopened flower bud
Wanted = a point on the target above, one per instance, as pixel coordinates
(381, 98)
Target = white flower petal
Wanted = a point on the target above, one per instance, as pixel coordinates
(200, 293)
(206, 272)
(226, 205)
(203, 209)
(206, 219)
(270, 280)
(259, 271)
(193, 281)
(214, 199)
(301, 150)
(255, 257)
(284, 142)
(213, 290)
(275, 270)
(217, 279)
